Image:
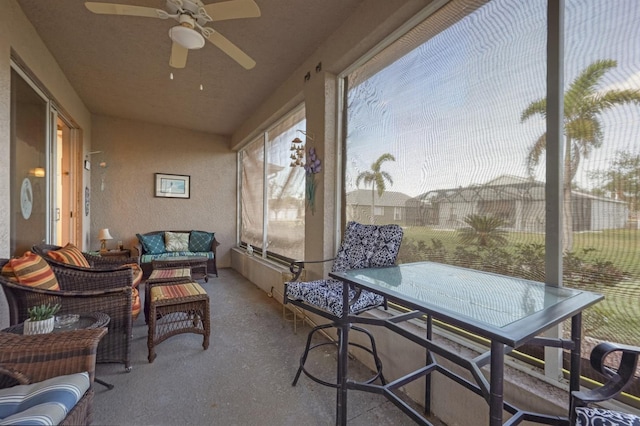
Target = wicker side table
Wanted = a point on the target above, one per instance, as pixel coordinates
(85, 321)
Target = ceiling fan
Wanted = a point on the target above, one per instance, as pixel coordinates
(191, 15)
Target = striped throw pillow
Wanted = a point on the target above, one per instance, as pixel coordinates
(31, 270)
(69, 254)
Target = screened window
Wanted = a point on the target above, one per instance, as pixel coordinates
(453, 116)
(272, 191)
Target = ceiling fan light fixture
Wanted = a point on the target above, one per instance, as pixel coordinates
(186, 37)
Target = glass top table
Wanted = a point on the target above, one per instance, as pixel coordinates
(506, 308)
(85, 321)
(508, 311)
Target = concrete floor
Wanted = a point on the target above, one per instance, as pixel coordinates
(244, 378)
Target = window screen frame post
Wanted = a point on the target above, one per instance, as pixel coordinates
(554, 169)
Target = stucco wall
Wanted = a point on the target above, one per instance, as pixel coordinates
(17, 34)
(133, 152)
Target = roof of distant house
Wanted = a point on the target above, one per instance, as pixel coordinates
(389, 198)
(505, 187)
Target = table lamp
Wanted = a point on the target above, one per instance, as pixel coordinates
(103, 236)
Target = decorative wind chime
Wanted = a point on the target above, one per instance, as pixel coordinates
(312, 166)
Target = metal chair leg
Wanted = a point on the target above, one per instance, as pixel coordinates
(308, 347)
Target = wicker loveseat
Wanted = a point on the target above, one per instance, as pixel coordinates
(152, 246)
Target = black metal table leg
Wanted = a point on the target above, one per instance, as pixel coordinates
(496, 394)
(343, 358)
(109, 386)
(427, 384)
(576, 336)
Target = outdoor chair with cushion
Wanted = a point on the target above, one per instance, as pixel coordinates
(71, 257)
(29, 281)
(363, 246)
(618, 378)
(47, 378)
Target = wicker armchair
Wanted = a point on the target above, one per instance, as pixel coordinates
(96, 262)
(28, 359)
(107, 291)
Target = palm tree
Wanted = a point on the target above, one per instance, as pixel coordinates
(483, 230)
(583, 104)
(376, 178)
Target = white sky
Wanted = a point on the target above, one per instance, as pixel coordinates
(450, 110)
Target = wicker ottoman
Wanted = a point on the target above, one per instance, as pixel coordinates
(176, 308)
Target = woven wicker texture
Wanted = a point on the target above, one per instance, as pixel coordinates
(96, 262)
(38, 357)
(169, 316)
(81, 290)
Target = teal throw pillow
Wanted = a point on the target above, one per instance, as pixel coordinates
(200, 241)
(152, 244)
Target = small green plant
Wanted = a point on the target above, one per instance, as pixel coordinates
(43, 312)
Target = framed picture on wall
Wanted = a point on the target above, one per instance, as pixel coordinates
(173, 186)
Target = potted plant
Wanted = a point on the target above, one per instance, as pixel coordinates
(41, 319)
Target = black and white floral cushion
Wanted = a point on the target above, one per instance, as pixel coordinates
(363, 246)
(587, 416)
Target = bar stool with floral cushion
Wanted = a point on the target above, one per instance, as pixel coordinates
(363, 246)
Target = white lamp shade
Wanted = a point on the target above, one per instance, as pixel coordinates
(104, 234)
(186, 37)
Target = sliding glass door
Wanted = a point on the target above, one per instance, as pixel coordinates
(29, 159)
(45, 177)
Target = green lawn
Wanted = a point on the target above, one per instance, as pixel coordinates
(619, 246)
(617, 318)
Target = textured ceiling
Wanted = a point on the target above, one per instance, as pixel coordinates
(119, 65)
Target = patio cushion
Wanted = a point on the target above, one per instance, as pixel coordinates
(31, 270)
(70, 255)
(135, 294)
(163, 292)
(327, 295)
(368, 246)
(176, 241)
(200, 241)
(136, 305)
(148, 258)
(42, 403)
(587, 416)
(363, 246)
(137, 272)
(153, 244)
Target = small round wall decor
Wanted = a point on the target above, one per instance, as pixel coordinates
(26, 198)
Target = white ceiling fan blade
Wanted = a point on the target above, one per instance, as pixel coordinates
(233, 9)
(178, 55)
(123, 9)
(230, 49)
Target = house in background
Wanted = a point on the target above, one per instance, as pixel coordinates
(390, 208)
(516, 200)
